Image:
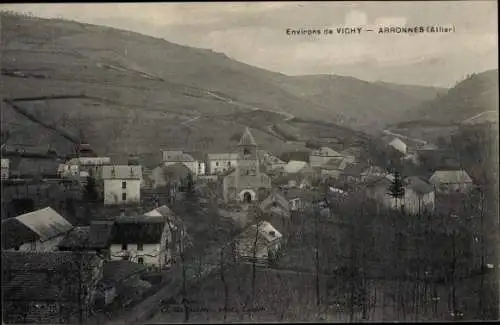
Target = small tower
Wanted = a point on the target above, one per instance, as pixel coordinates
(247, 155)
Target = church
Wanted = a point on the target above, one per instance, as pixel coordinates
(246, 183)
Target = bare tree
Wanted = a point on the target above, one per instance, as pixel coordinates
(223, 279)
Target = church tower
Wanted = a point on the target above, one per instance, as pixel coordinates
(248, 162)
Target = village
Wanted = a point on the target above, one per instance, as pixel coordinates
(92, 240)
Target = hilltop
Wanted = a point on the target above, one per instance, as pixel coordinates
(472, 101)
(127, 92)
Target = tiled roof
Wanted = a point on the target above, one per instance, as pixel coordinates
(122, 172)
(138, 232)
(46, 223)
(450, 177)
(247, 139)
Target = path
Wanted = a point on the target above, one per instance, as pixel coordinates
(475, 117)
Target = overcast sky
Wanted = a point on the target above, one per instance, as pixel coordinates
(255, 33)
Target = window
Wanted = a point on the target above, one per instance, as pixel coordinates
(16, 248)
(113, 172)
(229, 163)
(217, 163)
(124, 196)
(124, 247)
(139, 247)
(124, 185)
(140, 260)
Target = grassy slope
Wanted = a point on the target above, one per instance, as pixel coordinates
(476, 94)
(143, 89)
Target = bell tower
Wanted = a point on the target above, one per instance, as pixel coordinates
(247, 155)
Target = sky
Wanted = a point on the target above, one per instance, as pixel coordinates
(255, 33)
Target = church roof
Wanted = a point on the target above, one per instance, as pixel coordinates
(247, 138)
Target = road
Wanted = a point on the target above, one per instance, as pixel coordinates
(471, 119)
(148, 307)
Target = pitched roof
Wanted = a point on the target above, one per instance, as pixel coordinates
(122, 172)
(197, 155)
(266, 231)
(78, 237)
(46, 223)
(36, 276)
(399, 145)
(247, 139)
(294, 166)
(325, 152)
(418, 185)
(275, 202)
(140, 229)
(450, 177)
(334, 163)
(14, 234)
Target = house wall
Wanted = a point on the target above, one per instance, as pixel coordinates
(150, 253)
(5, 172)
(452, 187)
(113, 191)
(221, 165)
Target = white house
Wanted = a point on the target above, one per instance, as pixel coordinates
(448, 181)
(151, 239)
(399, 145)
(269, 243)
(221, 162)
(321, 156)
(122, 184)
(37, 231)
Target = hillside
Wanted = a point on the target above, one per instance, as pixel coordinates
(131, 93)
(356, 103)
(472, 101)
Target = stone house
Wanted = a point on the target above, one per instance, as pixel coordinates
(268, 248)
(152, 239)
